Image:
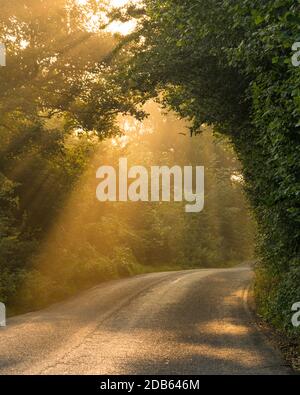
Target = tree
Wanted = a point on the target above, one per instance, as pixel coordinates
(228, 64)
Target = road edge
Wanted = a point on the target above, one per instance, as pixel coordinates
(277, 340)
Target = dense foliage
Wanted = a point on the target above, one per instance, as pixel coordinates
(58, 101)
(45, 97)
(227, 63)
(224, 63)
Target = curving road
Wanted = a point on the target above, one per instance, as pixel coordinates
(192, 322)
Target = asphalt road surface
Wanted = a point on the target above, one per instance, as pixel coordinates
(192, 322)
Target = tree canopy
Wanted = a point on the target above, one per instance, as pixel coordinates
(225, 64)
(228, 64)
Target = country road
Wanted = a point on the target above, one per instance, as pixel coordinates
(191, 322)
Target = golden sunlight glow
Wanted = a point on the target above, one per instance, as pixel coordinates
(121, 28)
(118, 3)
(113, 3)
(116, 27)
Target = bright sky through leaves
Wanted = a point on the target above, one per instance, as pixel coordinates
(114, 27)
